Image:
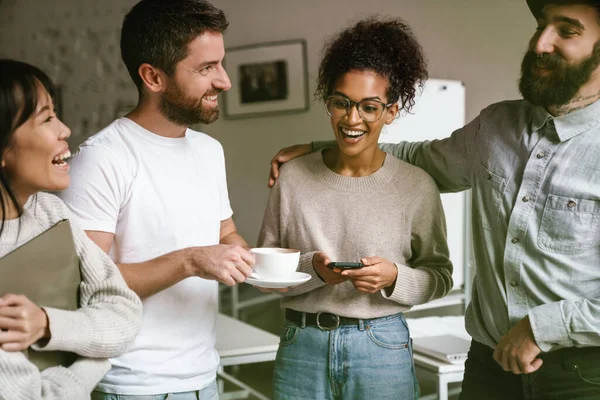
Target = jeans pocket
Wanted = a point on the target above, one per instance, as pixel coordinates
(288, 335)
(393, 336)
(585, 366)
(569, 225)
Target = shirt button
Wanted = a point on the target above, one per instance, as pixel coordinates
(514, 283)
(541, 155)
(571, 204)
(525, 198)
(515, 240)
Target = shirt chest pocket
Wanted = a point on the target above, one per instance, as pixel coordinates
(569, 225)
(489, 192)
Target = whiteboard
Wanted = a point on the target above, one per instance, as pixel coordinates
(439, 110)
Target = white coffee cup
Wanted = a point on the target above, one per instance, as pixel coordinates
(273, 263)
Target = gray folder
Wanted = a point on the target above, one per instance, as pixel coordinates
(46, 270)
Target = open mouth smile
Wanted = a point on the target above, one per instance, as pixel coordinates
(60, 159)
(352, 134)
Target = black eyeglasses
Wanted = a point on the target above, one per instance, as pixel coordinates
(369, 110)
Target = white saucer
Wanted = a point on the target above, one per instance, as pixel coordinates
(296, 279)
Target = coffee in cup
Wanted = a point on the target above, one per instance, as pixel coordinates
(274, 263)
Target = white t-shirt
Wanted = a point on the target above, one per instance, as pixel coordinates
(157, 195)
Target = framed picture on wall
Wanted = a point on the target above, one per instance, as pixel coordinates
(266, 79)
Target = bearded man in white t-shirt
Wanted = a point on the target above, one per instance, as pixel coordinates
(152, 193)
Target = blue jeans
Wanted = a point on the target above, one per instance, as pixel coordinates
(370, 360)
(211, 392)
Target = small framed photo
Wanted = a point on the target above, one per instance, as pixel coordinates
(266, 79)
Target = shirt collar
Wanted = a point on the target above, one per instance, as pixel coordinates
(569, 125)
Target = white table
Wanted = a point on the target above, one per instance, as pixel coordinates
(241, 343)
(443, 372)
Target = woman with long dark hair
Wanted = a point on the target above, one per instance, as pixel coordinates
(33, 150)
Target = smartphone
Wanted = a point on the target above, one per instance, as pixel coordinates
(345, 265)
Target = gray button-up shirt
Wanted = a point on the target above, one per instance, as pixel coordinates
(536, 218)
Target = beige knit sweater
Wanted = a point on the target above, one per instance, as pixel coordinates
(394, 213)
(104, 326)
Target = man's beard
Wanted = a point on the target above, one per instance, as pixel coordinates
(562, 82)
(186, 111)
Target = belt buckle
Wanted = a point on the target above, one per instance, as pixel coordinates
(327, 328)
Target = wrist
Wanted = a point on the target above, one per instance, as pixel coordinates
(394, 277)
(315, 269)
(44, 332)
(186, 263)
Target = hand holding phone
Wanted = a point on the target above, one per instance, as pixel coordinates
(345, 265)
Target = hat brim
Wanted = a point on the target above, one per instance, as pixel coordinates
(536, 6)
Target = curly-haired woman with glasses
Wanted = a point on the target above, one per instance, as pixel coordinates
(345, 335)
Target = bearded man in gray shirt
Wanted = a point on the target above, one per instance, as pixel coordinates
(534, 168)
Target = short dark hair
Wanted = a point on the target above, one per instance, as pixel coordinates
(158, 32)
(19, 90)
(386, 47)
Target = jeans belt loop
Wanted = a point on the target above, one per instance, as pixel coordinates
(327, 328)
(361, 324)
(303, 320)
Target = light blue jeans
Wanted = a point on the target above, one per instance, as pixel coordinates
(370, 360)
(211, 392)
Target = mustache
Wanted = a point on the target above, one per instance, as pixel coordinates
(547, 60)
(213, 93)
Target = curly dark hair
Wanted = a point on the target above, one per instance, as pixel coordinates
(384, 46)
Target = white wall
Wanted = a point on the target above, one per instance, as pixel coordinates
(479, 42)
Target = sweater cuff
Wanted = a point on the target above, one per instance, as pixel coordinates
(89, 371)
(412, 286)
(306, 266)
(548, 326)
(66, 330)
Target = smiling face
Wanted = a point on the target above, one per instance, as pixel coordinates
(353, 135)
(34, 158)
(191, 94)
(568, 40)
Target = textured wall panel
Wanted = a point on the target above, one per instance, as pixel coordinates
(76, 42)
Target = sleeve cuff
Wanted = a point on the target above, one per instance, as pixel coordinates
(413, 286)
(226, 214)
(66, 329)
(548, 326)
(315, 281)
(102, 226)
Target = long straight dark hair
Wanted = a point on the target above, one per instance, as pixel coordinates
(19, 89)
